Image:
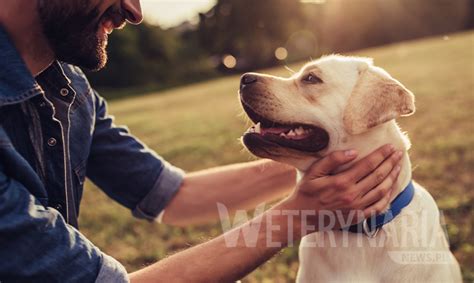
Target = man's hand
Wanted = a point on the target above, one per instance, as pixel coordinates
(364, 189)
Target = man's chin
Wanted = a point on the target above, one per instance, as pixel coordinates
(95, 65)
(92, 60)
(88, 63)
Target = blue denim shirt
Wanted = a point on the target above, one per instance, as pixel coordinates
(39, 239)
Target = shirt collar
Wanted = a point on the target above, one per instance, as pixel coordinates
(16, 82)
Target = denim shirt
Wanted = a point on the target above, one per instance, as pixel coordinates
(42, 173)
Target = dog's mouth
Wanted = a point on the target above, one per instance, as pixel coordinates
(297, 136)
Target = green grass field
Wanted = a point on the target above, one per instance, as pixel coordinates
(198, 126)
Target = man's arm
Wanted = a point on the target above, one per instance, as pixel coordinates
(128, 171)
(217, 261)
(238, 186)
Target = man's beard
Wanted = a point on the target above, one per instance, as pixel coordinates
(71, 28)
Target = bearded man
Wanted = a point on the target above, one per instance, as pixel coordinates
(55, 131)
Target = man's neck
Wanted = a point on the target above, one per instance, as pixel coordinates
(20, 20)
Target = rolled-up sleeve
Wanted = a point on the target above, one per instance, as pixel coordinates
(165, 188)
(111, 271)
(127, 170)
(36, 245)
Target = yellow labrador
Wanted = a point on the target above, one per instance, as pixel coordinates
(338, 103)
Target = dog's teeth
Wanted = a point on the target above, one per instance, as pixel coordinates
(299, 131)
(258, 128)
(283, 135)
(291, 133)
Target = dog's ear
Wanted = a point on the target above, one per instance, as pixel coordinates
(376, 99)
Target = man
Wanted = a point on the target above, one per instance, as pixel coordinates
(55, 131)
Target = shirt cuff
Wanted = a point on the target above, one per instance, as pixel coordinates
(112, 271)
(166, 186)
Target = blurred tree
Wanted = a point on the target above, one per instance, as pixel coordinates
(249, 30)
(348, 25)
(150, 57)
(138, 56)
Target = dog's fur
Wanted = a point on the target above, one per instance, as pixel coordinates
(356, 103)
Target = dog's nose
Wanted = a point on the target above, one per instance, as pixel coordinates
(248, 79)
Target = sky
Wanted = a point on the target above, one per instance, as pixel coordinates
(168, 13)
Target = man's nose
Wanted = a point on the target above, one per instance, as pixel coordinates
(133, 11)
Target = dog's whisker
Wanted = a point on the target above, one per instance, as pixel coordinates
(290, 70)
(242, 114)
(247, 120)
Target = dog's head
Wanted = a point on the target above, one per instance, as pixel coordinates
(304, 117)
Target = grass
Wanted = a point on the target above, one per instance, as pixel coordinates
(198, 126)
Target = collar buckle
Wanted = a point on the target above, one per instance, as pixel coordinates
(369, 233)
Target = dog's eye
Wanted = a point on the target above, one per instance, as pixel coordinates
(312, 79)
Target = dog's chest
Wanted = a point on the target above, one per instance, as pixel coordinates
(340, 257)
(335, 256)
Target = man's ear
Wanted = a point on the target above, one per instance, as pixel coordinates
(376, 99)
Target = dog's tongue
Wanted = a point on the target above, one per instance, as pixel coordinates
(274, 130)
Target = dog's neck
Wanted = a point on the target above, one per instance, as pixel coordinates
(371, 140)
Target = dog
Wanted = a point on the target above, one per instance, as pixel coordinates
(338, 103)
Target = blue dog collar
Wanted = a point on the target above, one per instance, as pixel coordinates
(372, 225)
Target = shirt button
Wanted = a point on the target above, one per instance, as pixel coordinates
(58, 207)
(64, 92)
(42, 104)
(52, 142)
